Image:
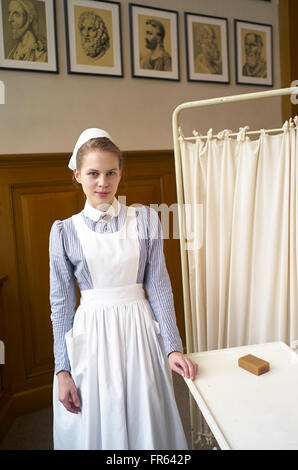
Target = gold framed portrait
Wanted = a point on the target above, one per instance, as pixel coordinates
(93, 37)
(253, 53)
(207, 50)
(154, 42)
(28, 35)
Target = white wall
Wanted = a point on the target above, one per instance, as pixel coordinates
(46, 112)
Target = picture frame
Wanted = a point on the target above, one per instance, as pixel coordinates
(28, 40)
(93, 37)
(253, 53)
(154, 42)
(207, 48)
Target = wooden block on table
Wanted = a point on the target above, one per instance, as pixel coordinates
(253, 364)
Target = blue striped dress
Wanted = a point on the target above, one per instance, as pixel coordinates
(67, 263)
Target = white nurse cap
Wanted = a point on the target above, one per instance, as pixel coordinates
(84, 137)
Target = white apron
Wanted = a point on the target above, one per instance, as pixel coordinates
(117, 357)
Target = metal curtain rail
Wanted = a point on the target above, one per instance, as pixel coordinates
(234, 134)
(179, 185)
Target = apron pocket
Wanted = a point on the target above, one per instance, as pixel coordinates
(77, 351)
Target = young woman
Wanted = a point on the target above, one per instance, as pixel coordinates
(114, 353)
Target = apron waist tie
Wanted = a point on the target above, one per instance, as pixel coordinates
(114, 295)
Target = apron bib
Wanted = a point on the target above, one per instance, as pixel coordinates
(116, 355)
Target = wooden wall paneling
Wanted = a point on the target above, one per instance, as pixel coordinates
(3, 377)
(35, 208)
(8, 263)
(138, 189)
(25, 392)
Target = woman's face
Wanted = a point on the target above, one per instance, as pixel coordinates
(99, 176)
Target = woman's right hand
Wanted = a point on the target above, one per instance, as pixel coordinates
(68, 394)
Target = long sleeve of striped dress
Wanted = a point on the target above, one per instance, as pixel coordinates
(67, 263)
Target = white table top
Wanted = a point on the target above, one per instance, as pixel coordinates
(245, 411)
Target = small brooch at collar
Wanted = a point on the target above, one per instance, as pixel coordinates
(105, 217)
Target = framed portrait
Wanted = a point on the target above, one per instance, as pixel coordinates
(93, 37)
(28, 35)
(154, 42)
(207, 50)
(253, 53)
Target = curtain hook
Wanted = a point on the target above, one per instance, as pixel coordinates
(180, 132)
(196, 134)
(296, 121)
(227, 132)
(241, 133)
(285, 127)
(209, 134)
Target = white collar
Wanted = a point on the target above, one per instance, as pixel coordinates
(96, 214)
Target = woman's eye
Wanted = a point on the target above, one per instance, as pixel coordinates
(94, 173)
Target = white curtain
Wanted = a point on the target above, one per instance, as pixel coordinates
(244, 276)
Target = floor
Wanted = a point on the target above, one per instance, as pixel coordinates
(34, 431)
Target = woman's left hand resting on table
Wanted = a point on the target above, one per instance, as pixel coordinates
(182, 365)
